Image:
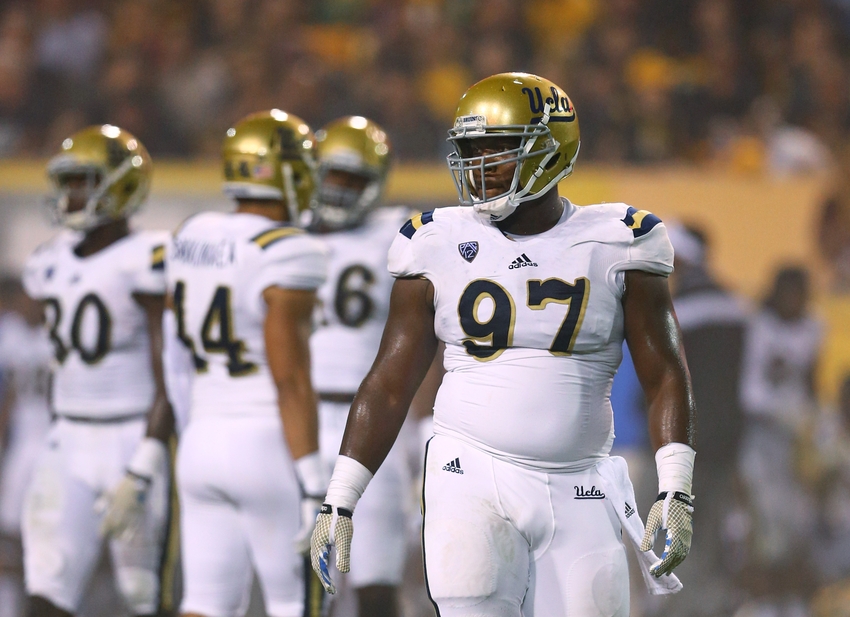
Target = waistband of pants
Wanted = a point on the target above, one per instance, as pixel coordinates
(337, 397)
(105, 420)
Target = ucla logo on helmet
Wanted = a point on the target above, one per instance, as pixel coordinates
(558, 104)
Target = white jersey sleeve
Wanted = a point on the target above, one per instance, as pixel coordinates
(148, 271)
(649, 248)
(300, 263)
(404, 256)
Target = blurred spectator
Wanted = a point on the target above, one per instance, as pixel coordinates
(713, 321)
(777, 394)
(647, 89)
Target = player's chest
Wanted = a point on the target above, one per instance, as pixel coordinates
(526, 294)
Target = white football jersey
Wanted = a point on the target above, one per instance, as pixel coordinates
(99, 332)
(354, 302)
(533, 325)
(219, 264)
(25, 355)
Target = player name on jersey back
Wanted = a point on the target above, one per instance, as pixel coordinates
(218, 268)
(533, 325)
(98, 330)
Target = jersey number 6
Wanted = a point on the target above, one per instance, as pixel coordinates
(488, 339)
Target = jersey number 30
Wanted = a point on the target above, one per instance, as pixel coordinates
(90, 354)
(488, 339)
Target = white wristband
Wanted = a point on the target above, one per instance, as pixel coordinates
(312, 474)
(349, 480)
(149, 459)
(675, 464)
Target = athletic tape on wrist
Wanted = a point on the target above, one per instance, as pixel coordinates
(149, 458)
(312, 475)
(349, 480)
(675, 465)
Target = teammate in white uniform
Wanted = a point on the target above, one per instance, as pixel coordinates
(353, 155)
(243, 287)
(25, 355)
(103, 289)
(524, 511)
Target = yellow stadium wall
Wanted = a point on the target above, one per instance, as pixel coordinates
(754, 223)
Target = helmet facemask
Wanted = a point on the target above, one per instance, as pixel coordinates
(100, 204)
(338, 206)
(536, 147)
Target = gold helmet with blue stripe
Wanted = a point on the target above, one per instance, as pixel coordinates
(537, 121)
(102, 173)
(353, 155)
(268, 155)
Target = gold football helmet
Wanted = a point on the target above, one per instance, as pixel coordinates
(103, 167)
(537, 116)
(356, 146)
(268, 155)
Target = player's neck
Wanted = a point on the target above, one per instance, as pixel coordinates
(273, 210)
(535, 216)
(102, 236)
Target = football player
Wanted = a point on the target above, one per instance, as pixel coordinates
(524, 512)
(353, 156)
(103, 289)
(25, 355)
(243, 288)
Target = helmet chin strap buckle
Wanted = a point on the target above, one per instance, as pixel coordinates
(496, 209)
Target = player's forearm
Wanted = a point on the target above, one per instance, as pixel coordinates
(297, 408)
(161, 418)
(374, 422)
(671, 409)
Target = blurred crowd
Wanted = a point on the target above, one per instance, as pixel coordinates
(755, 84)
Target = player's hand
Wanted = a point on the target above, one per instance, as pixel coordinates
(310, 507)
(124, 508)
(333, 528)
(673, 513)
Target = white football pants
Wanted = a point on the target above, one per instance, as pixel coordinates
(240, 511)
(505, 541)
(79, 463)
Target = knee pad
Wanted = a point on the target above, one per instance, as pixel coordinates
(599, 584)
(139, 588)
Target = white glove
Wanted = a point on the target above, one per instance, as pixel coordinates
(310, 507)
(125, 507)
(672, 511)
(333, 528)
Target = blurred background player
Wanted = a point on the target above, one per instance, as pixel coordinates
(713, 320)
(353, 156)
(243, 286)
(524, 511)
(25, 355)
(777, 395)
(102, 286)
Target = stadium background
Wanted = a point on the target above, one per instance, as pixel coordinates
(728, 114)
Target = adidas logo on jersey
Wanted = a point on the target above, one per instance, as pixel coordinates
(521, 262)
(453, 466)
(629, 510)
(593, 493)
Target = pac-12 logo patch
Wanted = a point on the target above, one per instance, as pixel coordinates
(468, 250)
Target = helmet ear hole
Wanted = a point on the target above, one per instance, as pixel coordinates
(553, 161)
